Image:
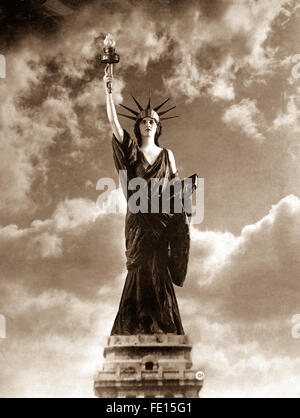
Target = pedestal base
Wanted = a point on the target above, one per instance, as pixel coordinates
(148, 366)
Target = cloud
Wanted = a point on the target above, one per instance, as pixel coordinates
(52, 331)
(211, 249)
(53, 119)
(243, 290)
(290, 119)
(63, 259)
(61, 303)
(261, 261)
(210, 48)
(77, 241)
(42, 128)
(244, 116)
(60, 284)
(59, 298)
(15, 168)
(222, 90)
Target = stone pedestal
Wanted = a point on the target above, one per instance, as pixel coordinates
(148, 366)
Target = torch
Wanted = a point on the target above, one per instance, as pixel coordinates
(109, 57)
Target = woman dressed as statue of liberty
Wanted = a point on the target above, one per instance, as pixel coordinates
(157, 244)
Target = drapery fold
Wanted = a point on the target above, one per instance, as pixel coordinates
(157, 250)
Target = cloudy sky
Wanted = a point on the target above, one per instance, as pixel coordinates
(231, 69)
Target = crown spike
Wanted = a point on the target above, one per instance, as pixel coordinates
(137, 103)
(168, 110)
(130, 110)
(158, 107)
(149, 102)
(170, 117)
(126, 116)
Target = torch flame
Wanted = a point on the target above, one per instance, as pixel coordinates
(109, 41)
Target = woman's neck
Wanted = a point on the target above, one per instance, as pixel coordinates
(148, 142)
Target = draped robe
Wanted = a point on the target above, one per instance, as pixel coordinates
(157, 250)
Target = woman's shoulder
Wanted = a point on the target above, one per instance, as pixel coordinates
(170, 154)
(125, 151)
(172, 160)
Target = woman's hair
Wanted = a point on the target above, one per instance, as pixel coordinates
(138, 135)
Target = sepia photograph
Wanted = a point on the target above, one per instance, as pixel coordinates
(150, 201)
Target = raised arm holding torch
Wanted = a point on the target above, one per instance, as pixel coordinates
(110, 57)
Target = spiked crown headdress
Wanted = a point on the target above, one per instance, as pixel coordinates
(148, 111)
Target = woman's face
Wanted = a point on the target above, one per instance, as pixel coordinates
(148, 127)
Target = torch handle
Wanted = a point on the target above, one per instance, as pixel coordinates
(109, 71)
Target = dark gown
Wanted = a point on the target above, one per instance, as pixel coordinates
(157, 249)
